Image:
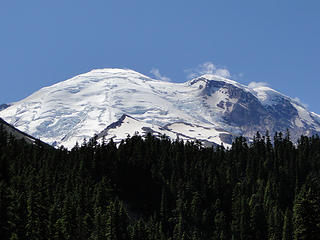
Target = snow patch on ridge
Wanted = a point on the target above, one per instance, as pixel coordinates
(128, 126)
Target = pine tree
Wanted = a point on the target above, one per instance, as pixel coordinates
(307, 215)
(4, 227)
(287, 231)
(111, 224)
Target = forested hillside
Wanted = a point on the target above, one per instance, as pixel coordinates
(158, 189)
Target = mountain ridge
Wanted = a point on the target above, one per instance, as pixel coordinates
(17, 134)
(128, 126)
(80, 107)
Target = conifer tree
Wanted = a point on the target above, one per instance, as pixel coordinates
(307, 214)
(287, 231)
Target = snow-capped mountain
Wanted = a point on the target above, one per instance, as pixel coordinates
(88, 104)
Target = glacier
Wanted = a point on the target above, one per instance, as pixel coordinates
(202, 108)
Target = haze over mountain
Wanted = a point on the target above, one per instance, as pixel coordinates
(117, 102)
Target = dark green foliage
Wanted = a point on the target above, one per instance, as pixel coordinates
(157, 189)
(307, 212)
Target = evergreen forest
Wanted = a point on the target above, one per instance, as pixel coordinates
(156, 189)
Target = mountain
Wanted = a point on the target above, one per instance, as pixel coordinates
(129, 126)
(16, 133)
(93, 102)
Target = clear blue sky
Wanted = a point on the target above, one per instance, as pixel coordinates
(44, 42)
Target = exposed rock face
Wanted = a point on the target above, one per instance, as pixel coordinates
(242, 109)
(4, 106)
(209, 108)
(129, 126)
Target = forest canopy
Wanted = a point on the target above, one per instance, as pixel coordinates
(158, 189)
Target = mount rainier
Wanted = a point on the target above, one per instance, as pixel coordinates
(115, 103)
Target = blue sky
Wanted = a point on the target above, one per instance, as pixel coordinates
(277, 42)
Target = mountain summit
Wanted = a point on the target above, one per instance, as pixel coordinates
(217, 108)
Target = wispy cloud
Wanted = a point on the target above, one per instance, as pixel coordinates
(207, 68)
(223, 72)
(158, 75)
(257, 84)
(301, 103)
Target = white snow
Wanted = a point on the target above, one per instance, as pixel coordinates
(131, 127)
(182, 131)
(78, 108)
(306, 117)
(190, 131)
(221, 79)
